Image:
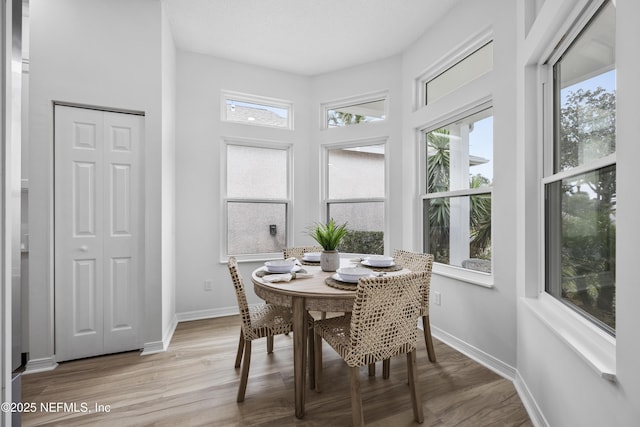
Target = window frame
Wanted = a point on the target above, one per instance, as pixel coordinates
(471, 276)
(288, 201)
(326, 201)
(549, 134)
(595, 347)
(227, 95)
(449, 60)
(351, 101)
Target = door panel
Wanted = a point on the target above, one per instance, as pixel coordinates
(121, 246)
(78, 233)
(120, 200)
(84, 199)
(85, 314)
(97, 232)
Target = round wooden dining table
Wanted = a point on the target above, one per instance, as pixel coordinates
(303, 295)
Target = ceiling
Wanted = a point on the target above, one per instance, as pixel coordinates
(305, 37)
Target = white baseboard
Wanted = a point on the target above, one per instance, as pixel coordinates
(536, 415)
(485, 359)
(500, 368)
(207, 314)
(40, 365)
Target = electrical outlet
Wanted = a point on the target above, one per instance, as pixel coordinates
(437, 298)
(208, 285)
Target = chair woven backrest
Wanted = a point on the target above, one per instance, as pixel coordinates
(241, 296)
(383, 322)
(416, 261)
(299, 251)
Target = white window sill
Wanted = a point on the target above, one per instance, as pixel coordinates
(594, 346)
(464, 275)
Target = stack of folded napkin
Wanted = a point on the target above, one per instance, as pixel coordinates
(286, 277)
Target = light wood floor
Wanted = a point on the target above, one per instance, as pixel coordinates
(194, 383)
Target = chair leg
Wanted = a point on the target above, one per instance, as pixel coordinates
(269, 344)
(244, 376)
(318, 361)
(428, 340)
(386, 368)
(357, 418)
(240, 349)
(372, 369)
(416, 399)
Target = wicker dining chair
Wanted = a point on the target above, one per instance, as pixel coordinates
(258, 321)
(417, 261)
(299, 251)
(382, 325)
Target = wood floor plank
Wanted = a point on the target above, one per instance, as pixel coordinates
(194, 383)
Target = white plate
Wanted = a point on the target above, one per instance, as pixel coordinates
(340, 279)
(279, 271)
(366, 262)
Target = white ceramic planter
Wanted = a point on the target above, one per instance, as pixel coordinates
(329, 260)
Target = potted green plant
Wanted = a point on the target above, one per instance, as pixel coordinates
(329, 236)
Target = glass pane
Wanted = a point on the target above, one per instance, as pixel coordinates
(585, 78)
(460, 155)
(365, 222)
(458, 231)
(258, 173)
(356, 172)
(365, 112)
(470, 68)
(257, 114)
(250, 228)
(581, 241)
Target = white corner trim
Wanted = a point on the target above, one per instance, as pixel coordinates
(152, 347)
(485, 359)
(161, 346)
(593, 346)
(530, 404)
(40, 365)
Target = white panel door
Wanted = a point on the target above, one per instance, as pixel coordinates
(97, 232)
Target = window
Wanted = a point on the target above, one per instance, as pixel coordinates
(459, 74)
(580, 172)
(458, 181)
(367, 109)
(256, 110)
(355, 194)
(257, 204)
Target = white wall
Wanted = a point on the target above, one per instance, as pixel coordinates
(557, 380)
(102, 53)
(370, 78)
(480, 319)
(200, 133)
(199, 136)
